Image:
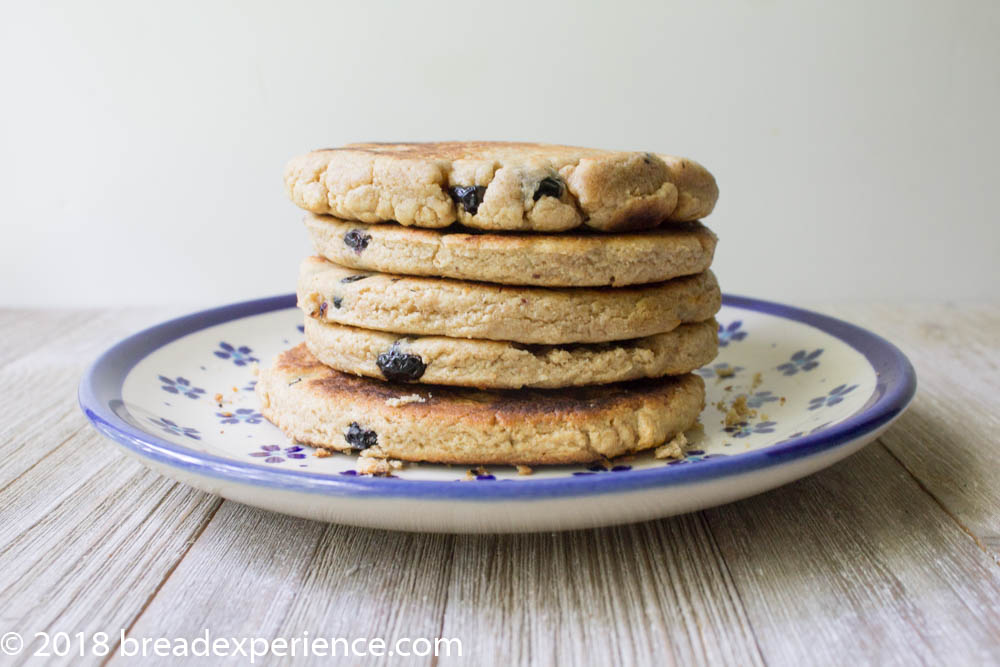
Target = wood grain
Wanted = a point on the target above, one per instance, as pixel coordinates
(890, 557)
(238, 579)
(40, 411)
(365, 583)
(19, 329)
(90, 556)
(86, 534)
(652, 593)
(948, 438)
(857, 565)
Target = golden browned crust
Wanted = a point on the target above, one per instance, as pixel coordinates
(552, 260)
(414, 184)
(317, 405)
(697, 191)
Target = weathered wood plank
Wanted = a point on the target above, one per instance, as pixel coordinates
(238, 580)
(255, 573)
(24, 330)
(948, 439)
(78, 335)
(370, 583)
(86, 534)
(39, 410)
(858, 565)
(653, 593)
(88, 537)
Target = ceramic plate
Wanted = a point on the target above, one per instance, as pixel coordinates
(822, 389)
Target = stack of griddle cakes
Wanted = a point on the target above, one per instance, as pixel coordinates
(497, 303)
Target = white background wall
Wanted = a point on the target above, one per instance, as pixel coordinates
(856, 143)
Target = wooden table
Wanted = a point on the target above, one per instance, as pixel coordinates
(892, 556)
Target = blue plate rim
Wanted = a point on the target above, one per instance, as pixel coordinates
(102, 382)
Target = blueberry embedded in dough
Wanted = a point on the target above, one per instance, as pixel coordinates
(360, 438)
(468, 197)
(549, 187)
(357, 240)
(398, 366)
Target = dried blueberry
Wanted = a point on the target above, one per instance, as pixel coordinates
(360, 438)
(353, 279)
(549, 187)
(337, 300)
(399, 366)
(357, 240)
(469, 196)
(322, 308)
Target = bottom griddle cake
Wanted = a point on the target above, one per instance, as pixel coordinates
(322, 407)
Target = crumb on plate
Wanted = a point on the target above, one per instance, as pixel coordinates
(673, 449)
(739, 412)
(378, 467)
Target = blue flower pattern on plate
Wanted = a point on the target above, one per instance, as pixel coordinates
(800, 361)
(731, 333)
(759, 398)
(743, 429)
(240, 416)
(171, 427)
(275, 453)
(239, 355)
(180, 385)
(835, 396)
(799, 434)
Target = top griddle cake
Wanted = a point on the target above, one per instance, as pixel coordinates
(500, 186)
